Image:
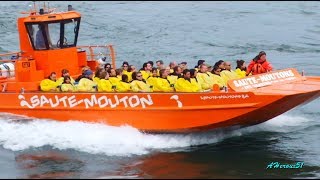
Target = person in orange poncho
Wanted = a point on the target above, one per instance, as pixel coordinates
(259, 64)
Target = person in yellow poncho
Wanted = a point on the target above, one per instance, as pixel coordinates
(97, 75)
(105, 84)
(131, 69)
(67, 85)
(197, 67)
(146, 70)
(50, 84)
(65, 72)
(194, 80)
(184, 84)
(83, 69)
(151, 81)
(86, 84)
(217, 79)
(177, 73)
(125, 70)
(204, 77)
(113, 77)
(160, 65)
(228, 74)
(241, 68)
(123, 85)
(163, 84)
(138, 84)
(125, 66)
(172, 65)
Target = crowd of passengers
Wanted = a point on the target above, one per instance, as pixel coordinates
(172, 78)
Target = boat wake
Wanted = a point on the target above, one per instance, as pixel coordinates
(20, 133)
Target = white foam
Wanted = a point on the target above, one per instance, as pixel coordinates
(284, 123)
(109, 140)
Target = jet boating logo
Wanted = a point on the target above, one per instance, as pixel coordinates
(277, 165)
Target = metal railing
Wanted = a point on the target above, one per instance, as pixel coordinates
(97, 51)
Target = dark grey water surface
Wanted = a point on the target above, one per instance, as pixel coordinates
(289, 32)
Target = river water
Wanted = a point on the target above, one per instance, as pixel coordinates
(289, 32)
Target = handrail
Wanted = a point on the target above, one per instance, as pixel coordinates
(92, 54)
(8, 60)
(10, 53)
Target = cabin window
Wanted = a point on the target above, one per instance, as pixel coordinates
(70, 32)
(44, 36)
(36, 36)
(54, 34)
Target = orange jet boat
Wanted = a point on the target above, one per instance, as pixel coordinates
(248, 101)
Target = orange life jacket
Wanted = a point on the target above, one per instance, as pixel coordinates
(258, 69)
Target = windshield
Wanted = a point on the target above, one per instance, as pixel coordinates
(54, 35)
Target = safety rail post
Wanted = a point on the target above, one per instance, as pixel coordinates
(91, 53)
(113, 56)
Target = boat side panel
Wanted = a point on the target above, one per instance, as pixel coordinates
(157, 111)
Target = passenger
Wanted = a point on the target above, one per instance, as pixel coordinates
(113, 77)
(124, 85)
(151, 63)
(228, 74)
(67, 85)
(138, 84)
(97, 75)
(160, 65)
(210, 69)
(50, 84)
(177, 73)
(125, 66)
(86, 84)
(163, 84)
(119, 73)
(183, 66)
(107, 66)
(172, 65)
(220, 64)
(84, 69)
(184, 84)
(194, 80)
(241, 68)
(104, 84)
(204, 77)
(217, 79)
(259, 64)
(151, 81)
(65, 72)
(168, 70)
(201, 61)
(146, 72)
(131, 69)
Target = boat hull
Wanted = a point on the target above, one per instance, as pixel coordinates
(157, 112)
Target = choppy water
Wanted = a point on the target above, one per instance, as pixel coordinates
(289, 32)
